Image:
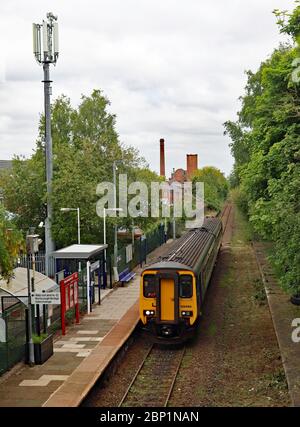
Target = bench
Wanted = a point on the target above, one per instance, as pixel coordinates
(125, 276)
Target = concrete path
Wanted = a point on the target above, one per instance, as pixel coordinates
(284, 315)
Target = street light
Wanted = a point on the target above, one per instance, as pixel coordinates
(104, 235)
(78, 218)
(45, 49)
(115, 168)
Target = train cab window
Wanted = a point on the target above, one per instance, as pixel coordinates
(149, 286)
(186, 286)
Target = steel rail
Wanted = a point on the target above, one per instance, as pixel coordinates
(175, 377)
(159, 392)
(135, 376)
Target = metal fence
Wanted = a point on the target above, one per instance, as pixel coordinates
(13, 333)
(141, 248)
(40, 264)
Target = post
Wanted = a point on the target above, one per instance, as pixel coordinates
(49, 244)
(132, 237)
(174, 228)
(30, 342)
(44, 319)
(88, 278)
(99, 282)
(36, 307)
(79, 239)
(115, 226)
(78, 222)
(174, 223)
(110, 274)
(63, 306)
(104, 241)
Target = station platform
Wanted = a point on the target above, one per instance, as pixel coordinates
(81, 356)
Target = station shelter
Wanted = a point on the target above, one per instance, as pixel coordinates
(89, 262)
(13, 314)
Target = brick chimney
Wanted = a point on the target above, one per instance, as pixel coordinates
(162, 158)
(191, 164)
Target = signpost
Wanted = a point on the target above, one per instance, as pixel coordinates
(69, 298)
(45, 298)
(96, 266)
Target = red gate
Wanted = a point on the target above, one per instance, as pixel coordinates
(69, 298)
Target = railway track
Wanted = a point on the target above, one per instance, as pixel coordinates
(225, 216)
(153, 382)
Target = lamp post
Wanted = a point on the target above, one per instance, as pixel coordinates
(115, 168)
(104, 235)
(45, 49)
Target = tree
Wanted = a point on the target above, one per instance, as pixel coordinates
(11, 241)
(215, 186)
(266, 148)
(85, 144)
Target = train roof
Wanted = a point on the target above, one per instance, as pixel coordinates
(189, 251)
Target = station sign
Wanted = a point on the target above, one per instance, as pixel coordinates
(95, 266)
(45, 298)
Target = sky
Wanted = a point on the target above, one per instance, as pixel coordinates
(171, 69)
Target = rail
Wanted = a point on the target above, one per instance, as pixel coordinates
(154, 380)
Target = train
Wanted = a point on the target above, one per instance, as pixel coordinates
(173, 287)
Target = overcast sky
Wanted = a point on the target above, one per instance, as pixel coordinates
(171, 69)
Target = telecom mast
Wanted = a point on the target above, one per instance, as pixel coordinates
(45, 49)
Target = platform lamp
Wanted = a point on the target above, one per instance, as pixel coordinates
(115, 168)
(45, 49)
(104, 237)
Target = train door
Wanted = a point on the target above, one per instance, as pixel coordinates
(168, 297)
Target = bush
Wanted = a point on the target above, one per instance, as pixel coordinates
(240, 199)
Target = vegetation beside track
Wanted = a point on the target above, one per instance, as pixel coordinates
(235, 359)
(265, 145)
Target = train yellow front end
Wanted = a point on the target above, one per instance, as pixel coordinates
(168, 303)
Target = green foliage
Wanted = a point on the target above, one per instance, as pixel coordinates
(24, 190)
(38, 339)
(266, 148)
(240, 199)
(289, 23)
(11, 242)
(215, 186)
(85, 144)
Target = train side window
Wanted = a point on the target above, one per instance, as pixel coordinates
(186, 286)
(149, 286)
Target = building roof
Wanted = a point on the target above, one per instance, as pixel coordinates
(79, 251)
(18, 286)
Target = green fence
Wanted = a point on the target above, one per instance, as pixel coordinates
(13, 322)
(141, 248)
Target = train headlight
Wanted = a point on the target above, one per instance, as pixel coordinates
(149, 313)
(187, 314)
